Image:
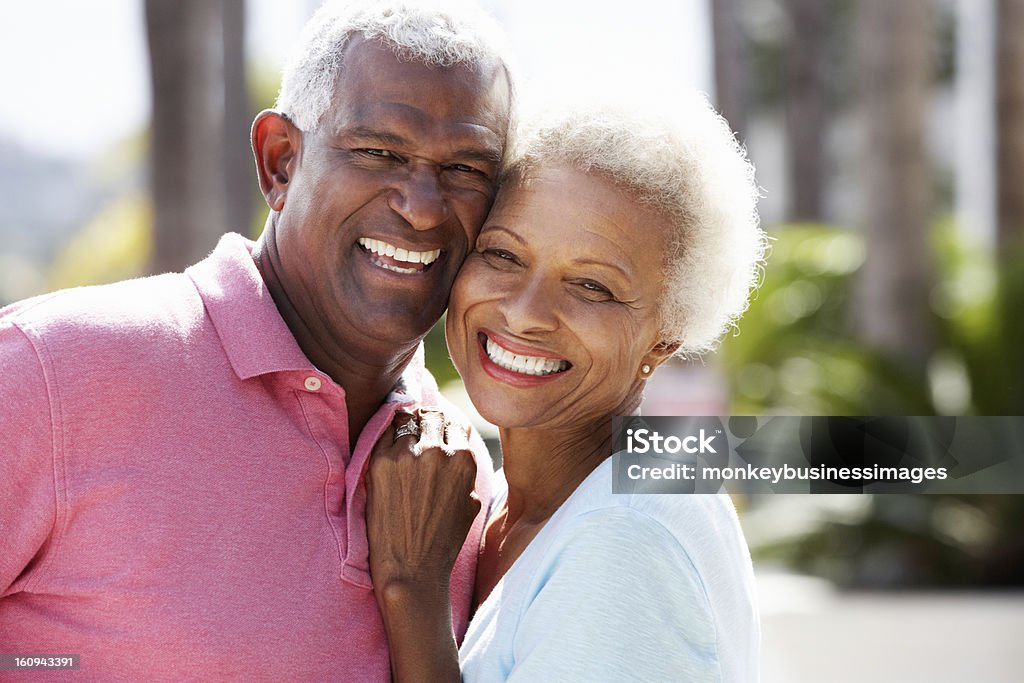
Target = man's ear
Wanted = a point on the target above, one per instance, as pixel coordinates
(275, 145)
(661, 352)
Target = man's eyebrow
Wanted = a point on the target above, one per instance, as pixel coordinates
(368, 134)
(487, 155)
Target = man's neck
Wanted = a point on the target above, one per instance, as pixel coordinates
(366, 369)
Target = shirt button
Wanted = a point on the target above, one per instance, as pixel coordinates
(313, 383)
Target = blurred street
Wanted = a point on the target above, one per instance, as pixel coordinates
(813, 633)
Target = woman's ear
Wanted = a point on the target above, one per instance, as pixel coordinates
(275, 145)
(661, 352)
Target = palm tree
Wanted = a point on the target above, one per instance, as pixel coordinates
(805, 109)
(1010, 191)
(730, 61)
(894, 40)
(195, 49)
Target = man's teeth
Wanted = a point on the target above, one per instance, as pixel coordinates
(405, 255)
(527, 365)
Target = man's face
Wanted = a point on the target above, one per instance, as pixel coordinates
(386, 197)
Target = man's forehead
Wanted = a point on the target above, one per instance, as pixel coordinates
(376, 61)
(378, 96)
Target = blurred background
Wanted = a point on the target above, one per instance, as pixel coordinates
(889, 142)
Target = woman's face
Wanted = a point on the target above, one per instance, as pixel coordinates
(556, 310)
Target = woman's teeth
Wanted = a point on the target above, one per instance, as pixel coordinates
(526, 365)
(398, 254)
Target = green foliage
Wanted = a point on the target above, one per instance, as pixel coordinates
(890, 541)
(798, 353)
(437, 359)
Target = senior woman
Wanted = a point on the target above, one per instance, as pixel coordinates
(617, 240)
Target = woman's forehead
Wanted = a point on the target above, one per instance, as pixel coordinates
(560, 202)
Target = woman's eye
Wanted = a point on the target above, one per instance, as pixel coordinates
(595, 291)
(592, 286)
(498, 255)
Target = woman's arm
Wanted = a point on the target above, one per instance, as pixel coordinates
(418, 621)
(420, 506)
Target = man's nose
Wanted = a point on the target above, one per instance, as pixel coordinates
(419, 199)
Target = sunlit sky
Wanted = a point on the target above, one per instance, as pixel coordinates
(77, 72)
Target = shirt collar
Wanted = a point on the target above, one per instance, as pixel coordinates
(254, 335)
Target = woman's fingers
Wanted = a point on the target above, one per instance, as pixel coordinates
(406, 426)
(456, 437)
(438, 431)
(420, 503)
(431, 429)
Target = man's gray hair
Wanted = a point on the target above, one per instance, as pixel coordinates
(679, 157)
(436, 33)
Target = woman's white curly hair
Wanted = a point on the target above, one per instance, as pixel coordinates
(680, 158)
(433, 32)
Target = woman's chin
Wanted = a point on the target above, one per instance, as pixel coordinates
(502, 415)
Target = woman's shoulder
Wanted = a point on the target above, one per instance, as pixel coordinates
(693, 520)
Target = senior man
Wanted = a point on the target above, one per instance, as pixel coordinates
(181, 457)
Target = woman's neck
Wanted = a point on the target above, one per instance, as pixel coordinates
(543, 467)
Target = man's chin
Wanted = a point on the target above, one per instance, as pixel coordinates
(400, 326)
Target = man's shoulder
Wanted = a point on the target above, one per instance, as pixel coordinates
(98, 320)
(126, 305)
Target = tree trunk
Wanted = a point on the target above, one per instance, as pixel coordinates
(1010, 124)
(731, 85)
(805, 109)
(894, 46)
(239, 171)
(189, 64)
(1010, 195)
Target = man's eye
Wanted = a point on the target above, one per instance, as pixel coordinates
(463, 168)
(380, 153)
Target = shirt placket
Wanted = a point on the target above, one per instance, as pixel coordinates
(326, 416)
(356, 564)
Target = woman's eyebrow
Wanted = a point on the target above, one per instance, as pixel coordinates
(505, 230)
(602, 264)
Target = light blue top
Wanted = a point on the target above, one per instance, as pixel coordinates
(622, 587)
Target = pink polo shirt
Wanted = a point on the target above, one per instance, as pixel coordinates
(177, 496)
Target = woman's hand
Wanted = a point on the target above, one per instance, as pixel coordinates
(420, 506)
(420, 500)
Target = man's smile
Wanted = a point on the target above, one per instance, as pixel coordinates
(397, 259)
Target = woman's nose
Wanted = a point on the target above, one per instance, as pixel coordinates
(530, 307)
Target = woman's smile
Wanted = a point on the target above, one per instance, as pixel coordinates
(515, 364)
